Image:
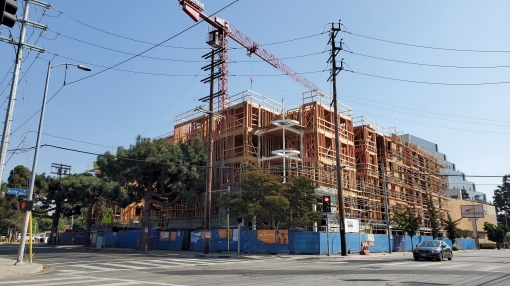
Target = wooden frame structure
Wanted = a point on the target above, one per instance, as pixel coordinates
(257, 131)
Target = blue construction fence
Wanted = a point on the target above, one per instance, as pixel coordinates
(253, 241)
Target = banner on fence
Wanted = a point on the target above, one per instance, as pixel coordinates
(272, 236)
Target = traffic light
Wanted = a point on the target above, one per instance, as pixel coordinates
(326, 204)
(26, 205)
(8, 10)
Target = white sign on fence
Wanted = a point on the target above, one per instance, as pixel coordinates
(351, 225)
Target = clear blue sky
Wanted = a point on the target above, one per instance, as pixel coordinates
(460, 109)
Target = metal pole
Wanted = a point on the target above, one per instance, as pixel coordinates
(383, 171)
(327, 231)
(228, 220)
(32, 174)
(475, 226)
(238, 238)
(340, 196)
(30, 240)
(12, 97)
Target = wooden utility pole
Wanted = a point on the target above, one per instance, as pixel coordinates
(213, 67)
(334, 72)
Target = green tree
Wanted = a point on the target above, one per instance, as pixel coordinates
(262, 197)
(55, 201)
(407, 221)
(502, 200)
(451, 227)
(301, 195)
(496, 233)
(464, 233)
(87, 191)
(10, 215)
(434, 217)
(155, 172)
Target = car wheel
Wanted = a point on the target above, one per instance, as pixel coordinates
(416, 258)
(451, 256)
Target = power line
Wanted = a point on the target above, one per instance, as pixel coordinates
(151, 48)
(122, 52)
(439, 126)
(452, 115)
(409, 113)
(427, 47)
(127, 38)
(429, 65)
(175, 47)
(226, 167)
(296, 39)
(431, 83)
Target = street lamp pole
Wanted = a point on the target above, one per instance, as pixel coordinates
(36, 156)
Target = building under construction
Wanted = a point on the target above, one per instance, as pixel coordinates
(255, 130)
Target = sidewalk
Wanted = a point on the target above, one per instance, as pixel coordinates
(8, 269)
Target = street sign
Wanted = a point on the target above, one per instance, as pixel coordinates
(107, 216)
(16, 192)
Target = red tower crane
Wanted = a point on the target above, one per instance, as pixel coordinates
(219, 38)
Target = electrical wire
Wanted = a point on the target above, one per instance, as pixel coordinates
(430, 83)
(436, 118)
(429, 65)
(425, 111)
(122, 70)
(151, 48)
(167, 46)
(227, 167)
(427, 47)
(124, 61)
(125, 53)
(292, 40)
(126, 38)
(439, 126)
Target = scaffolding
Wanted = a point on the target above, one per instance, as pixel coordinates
(257, 131)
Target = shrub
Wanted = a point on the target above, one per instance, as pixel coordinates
(455, 248)
(488, 246)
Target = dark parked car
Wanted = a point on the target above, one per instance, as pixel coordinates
(433, 249)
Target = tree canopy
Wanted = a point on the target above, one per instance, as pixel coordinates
(452, 232)
(496, 233)
(155, 172)
(502, 200)
(272, 203)
(407, 221)
(434, 217)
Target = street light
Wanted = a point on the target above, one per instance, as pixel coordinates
(36, 155)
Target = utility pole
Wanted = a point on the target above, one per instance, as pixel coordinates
(334, 72)
(14, 85)
(383, 173)
(12, 97)
(213, 67)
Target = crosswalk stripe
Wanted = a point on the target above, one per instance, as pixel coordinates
(90, 267)
(79, 281)
(124, 265)
(48, 279)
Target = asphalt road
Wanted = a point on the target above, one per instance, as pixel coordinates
(89, 267)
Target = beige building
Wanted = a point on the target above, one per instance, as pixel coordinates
(466, 224)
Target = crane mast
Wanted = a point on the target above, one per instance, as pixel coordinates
(219, 38)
